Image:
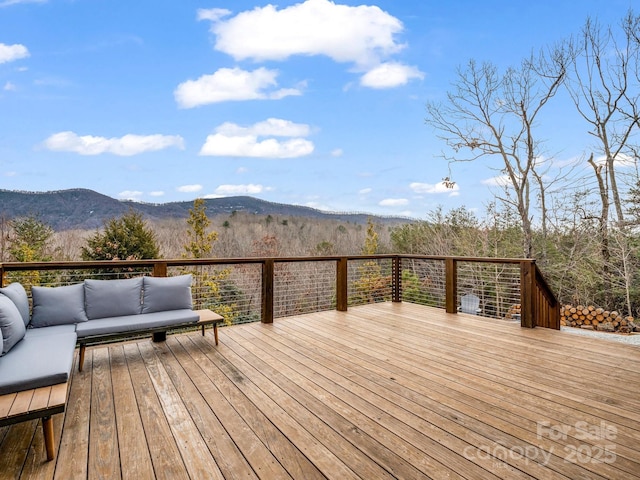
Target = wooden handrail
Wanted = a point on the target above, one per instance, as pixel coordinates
(539, 307)
(547, 305)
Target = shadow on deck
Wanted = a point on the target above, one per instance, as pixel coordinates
(391, 390)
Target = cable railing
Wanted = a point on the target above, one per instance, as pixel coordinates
(263, 289)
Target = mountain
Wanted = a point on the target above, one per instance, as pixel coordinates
(80, 208)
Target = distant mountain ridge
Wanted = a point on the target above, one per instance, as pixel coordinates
(81, 208)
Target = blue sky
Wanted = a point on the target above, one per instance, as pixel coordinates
(316, 103)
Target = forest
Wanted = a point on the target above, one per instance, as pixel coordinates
(570, 265)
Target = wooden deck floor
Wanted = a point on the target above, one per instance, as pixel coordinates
(383, 391)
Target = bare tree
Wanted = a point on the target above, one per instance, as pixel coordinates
(603, 227)
(601, 84)
(489, 114)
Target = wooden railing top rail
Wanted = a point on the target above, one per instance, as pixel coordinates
(544, 286)
(177, 262)
(469, 259)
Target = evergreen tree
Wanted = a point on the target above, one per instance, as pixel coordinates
(124, 238)
(633, 205)
(371, 241)
(30, 240)
(200, 243)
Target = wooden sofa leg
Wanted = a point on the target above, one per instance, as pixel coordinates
(81, 361)
(215, 332)
(47, 430)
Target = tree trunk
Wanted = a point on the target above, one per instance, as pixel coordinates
(603, 231)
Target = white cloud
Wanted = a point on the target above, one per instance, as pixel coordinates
(249, 189)
(390, 75)
(10, 87)
(130, 195)
(212, 14)
(189, 188)
(435, 188)
(124, 146)
(9, 53)
(231, 140)
(620, 161)
(318, 206)
(219, 145)
(275, 127)
(361, 35)
(8, 3)
(365, 191)
(394, 202)
(497, 181)
(157, 193)
(228, 84)
(337, 152)
(52, 81)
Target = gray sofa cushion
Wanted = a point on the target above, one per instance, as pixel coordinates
(113, 298)
(57, 305)
(130, 323)
(37, 361)
(166, 293)
(11, 324)
(48, 331)
(15, 291)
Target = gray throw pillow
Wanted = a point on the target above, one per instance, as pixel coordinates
(57, 305)
(11, 324)
(166, 293)
(15, 291)
(113, 298)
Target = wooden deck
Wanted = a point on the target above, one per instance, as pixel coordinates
(382, 391)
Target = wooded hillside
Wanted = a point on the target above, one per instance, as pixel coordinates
(85, 209)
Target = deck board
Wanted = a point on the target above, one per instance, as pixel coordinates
(104, 459)
(381, 391)
(74, 444)
(134, 452)
(165, 454)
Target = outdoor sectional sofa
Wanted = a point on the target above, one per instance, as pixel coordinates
(38, 349)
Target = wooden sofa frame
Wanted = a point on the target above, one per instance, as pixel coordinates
(36, 403)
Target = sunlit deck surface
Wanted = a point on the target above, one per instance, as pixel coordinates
(382, 391)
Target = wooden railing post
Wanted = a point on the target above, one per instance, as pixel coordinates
(451, 285)
(160, 269)
(268, 268)
(527, 292)
(342, 289)
(396, 273)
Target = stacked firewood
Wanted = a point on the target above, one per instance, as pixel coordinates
(595, 318)
(514, 312)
